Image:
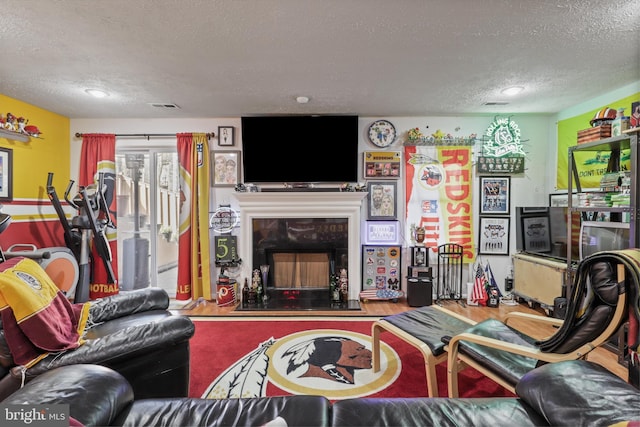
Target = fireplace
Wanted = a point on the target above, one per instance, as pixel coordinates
(303, 237)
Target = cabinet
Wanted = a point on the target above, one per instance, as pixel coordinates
(627, 141)
(538, 280)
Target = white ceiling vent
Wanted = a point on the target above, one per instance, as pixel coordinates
(165, 105)
(495, 103)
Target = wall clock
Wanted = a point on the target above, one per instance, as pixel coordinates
(382, 133)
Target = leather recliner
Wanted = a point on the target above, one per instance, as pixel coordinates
(134, 334)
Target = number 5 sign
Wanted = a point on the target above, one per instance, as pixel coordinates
(226, 248)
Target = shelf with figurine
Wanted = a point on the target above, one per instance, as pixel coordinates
(17, 128)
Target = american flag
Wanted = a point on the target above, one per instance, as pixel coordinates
(479, 294)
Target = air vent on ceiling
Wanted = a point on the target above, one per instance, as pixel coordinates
(495, 103)
(164, 105)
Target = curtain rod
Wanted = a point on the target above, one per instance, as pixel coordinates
(148, 135)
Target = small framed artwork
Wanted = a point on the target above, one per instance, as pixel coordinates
(226, 168)
(419, 256)
(536, 234)
(381, 233)
(225, 136)
(6, 174)
(494, 236)
(495, 194)
(382, 200)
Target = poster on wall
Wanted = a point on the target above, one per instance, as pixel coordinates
(495, 194)
(439, 196)
(494, 236)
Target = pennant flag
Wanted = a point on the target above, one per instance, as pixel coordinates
(479, 294)
(492, 280)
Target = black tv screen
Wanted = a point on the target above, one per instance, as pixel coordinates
(300, 149)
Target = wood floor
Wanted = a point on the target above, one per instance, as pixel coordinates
(377, 309)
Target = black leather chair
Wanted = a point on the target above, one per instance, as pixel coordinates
(597, 309)
(133, 333)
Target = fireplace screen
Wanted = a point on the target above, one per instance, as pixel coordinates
(301, 252)
(300, 270)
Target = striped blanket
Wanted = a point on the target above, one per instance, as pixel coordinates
(37, 319)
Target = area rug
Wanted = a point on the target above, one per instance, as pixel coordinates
(331, 357)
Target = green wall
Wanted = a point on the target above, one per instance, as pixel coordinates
(568, 135)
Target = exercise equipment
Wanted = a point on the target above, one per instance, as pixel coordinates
(58, 262)
(85, 229)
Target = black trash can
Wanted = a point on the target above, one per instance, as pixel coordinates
(419, 291)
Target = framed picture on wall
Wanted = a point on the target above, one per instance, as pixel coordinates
(494, 236)
(381, 233)
(495, 193)
(6, 174)
(225, 136)
(382, 200)
(382, 164)
(226, 168)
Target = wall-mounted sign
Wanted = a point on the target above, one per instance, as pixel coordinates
(509, 165)
(381, 233)
(382, 164)
(223, 220)
(502, 138)
(226, 248)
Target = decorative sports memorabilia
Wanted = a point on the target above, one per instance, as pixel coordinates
(382, 133)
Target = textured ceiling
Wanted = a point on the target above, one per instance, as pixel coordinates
(228, 58)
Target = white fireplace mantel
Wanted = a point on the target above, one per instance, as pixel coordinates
(302, 204)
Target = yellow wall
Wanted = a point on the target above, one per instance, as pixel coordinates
(33, 160)
(568, 137)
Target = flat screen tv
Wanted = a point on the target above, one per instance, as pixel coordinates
(300, 149)
(597, 236)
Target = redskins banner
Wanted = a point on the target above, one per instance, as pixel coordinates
(194, 274)
(439, 195)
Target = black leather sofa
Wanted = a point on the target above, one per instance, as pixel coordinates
(132, 333)
(571, 393)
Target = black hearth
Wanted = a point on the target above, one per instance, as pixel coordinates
(298, 299)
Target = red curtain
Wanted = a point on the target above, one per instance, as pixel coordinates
(194, 276)
(98, 156)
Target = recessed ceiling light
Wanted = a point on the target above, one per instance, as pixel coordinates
(302, 99)
(513, 90)
(97, 93)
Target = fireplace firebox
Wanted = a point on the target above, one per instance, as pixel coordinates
(301, 253)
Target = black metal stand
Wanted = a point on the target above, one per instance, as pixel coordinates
(450, 271)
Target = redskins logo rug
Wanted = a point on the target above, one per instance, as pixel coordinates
(327, 362)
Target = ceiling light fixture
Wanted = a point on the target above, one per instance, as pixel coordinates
(513, 90)
(97, 93)
(302, 99)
